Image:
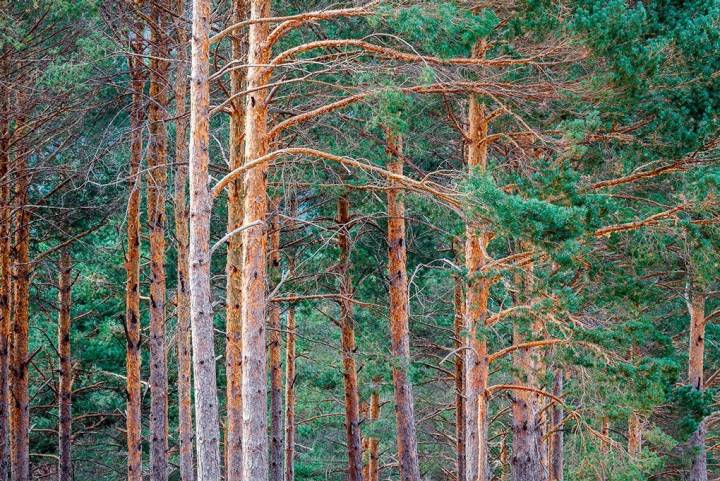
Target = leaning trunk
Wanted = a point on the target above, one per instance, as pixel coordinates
(182, 299)
(201, 316)
(696, 306)
(66, 375)
(347, 325)
(399, 321)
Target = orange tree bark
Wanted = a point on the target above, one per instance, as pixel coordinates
(20, 408)
(399, 321)
(133, 325)
(65, 471)
(233, 266)
(477, 292)
(156, 193)
(5, 282)
(634, 435)
(696, 350)
(182, 298)
(275, 353)
(201, 316)
(254, 385)
(372, 468)
(347, 325)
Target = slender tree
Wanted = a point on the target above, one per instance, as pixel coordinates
(557, 454)
(347, 326)
(133, 326)
(65, 468)
(275, 352)
(399, 320)
(182, 298)
(201, 316)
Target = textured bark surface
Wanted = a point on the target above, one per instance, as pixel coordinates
(605, 432)
(275, 353)
(254, 384)
(133, 360)
(65, 471)
(207, 430)
(233, 266)
(477, 293)
(698, 451)
(399, 321)
(156, 194)
(182, 236)
(290, 359)
(5, 282)
(634, 435)
(557, 440)
(20, 405)
(347, 341)
(459, 303)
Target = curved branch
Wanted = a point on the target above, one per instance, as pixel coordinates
(525, 345)
(403, 180)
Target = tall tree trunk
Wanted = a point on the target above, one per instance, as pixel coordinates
(254, 381)
(182, 234)
(5, 282)
(290, 359)
(347, 326)
(696, 306)
(201, 315)
(65, 471)
(459, 303)
(557, 435)
(156, 193)
(634, 435)
(133, 327)
(233, 266)
(477, 293)
(399, 321)
(605, 433)
(20, 412)
(275, 353)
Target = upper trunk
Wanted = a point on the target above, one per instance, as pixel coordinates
(556, 434)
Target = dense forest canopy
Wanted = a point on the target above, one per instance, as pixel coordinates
(279, 240)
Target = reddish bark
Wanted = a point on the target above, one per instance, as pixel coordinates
(5, 283)
(133, 325)
(557, 435)
(233, 267)
(696, 350)
(347, 326)
(399, 321)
